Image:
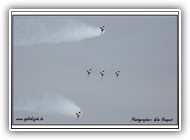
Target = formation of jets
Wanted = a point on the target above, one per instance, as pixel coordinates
(102, 73)
(89, 71)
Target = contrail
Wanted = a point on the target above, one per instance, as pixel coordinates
(44, 103)
(35, 30)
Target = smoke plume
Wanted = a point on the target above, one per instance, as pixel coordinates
(30, 31)
(44, 103)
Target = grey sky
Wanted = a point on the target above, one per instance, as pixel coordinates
(144, 48)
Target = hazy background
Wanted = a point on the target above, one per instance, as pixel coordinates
(143, 48)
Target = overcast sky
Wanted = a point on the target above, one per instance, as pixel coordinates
(143, 48)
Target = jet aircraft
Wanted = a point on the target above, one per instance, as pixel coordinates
(89, 71)
(78, 114)
(102, 73)
(102, 29)
(117, 73)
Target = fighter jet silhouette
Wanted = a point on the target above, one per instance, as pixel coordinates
(78, 114)
(89, 71)
(102, 73)
(117, 73)
(102, 28)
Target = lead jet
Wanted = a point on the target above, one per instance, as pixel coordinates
(102, 29)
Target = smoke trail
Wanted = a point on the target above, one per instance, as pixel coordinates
(29, 31)
(41, 102)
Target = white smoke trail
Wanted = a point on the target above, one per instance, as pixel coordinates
(29, 31)
(41, 102)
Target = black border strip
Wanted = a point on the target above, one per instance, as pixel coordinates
(12, 80)
(178, 69)
(96, 15)
(98, 128)
(44, 10)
